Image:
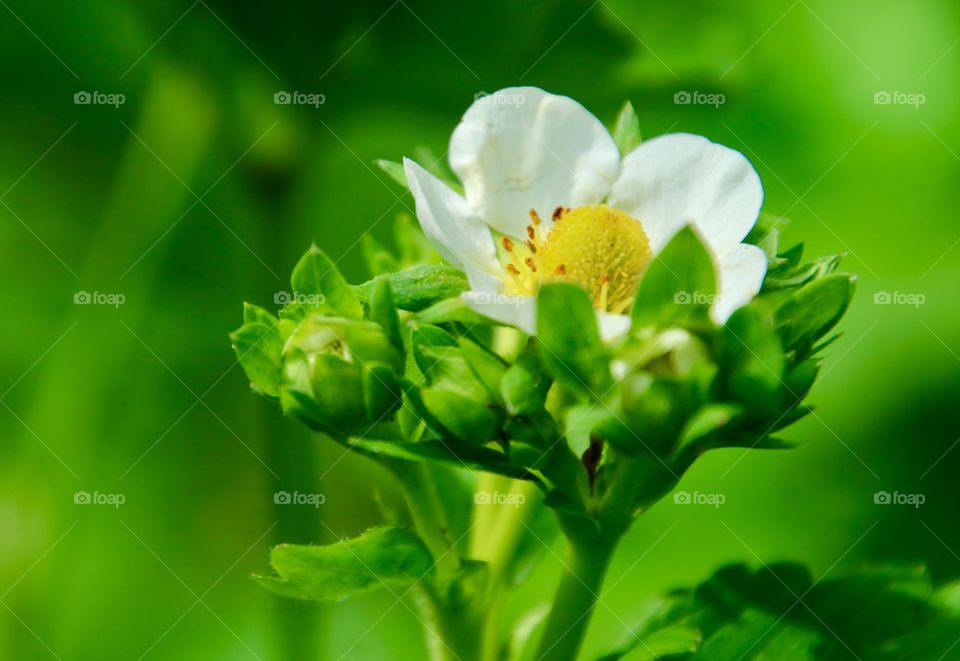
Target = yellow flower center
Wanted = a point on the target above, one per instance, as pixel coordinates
(603, 250)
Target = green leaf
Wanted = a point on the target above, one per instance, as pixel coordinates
(679, 284)
(338, 391)
(813, 310)
(794, 275)
(296, 393)
(254, 313)
(394, 170)
(450, 310)
(757, 636)
(384, 312)
(464, 417)
(471, 457)
(706, 422)
(422, 339)
(316, 275)
(486, 366)
(525, 384)
(658, 644)
(753, 360)
(626, 132)
(259, 347)
(655, 409)
(571, 347)
(801, 377)
(419, 287)
(381, 557)
(382, 392)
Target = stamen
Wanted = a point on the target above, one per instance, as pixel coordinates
(531, 245)
(507, 244)
(534, 216)
(560, 270)
(530, 264)
(604, 290)
(532, 233)
(557, 213)
(513, 269)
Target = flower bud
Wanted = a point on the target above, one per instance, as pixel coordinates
(351, 368)
(655, 408)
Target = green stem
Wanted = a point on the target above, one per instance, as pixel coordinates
(590, 547)
(428, 515)
(500, 548)
(584, 570)
(452, 635)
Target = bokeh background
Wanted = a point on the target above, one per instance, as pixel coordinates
(199, 192)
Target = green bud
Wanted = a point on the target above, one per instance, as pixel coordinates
(464, 417)
(352, 372)
(337, 390)
(655, 409)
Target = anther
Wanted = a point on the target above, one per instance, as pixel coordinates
(530, 264)
(532, 233)
(513, 269)
(560, 270)
(557, 213)
(534, 216)
(507, 244)
(531, 245)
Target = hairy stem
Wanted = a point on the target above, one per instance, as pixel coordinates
(428, 515)
(584, 569)
(590, 547)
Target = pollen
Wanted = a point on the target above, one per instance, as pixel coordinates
(604, 250)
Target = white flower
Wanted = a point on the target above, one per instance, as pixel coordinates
(547, 197)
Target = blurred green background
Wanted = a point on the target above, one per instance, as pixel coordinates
(199, 192)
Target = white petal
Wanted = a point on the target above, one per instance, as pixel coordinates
(522, 148)
(681, 179)
(519, 311)
(452, 227)
(612, 326)
(741, 272)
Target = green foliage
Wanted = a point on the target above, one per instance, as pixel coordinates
(315, 275)
(394, 170)
(419, 287)
(679, 284)
(813, 310)
(258, 346)
(389, 558)
(780, 612)
(626, 130)
(570, 341)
